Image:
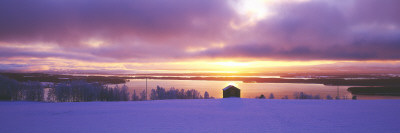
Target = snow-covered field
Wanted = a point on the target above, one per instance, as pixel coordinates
(212, 115)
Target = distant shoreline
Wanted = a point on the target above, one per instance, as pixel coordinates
(381, 91)
(120, 79)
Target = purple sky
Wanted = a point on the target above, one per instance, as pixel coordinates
(38, 35)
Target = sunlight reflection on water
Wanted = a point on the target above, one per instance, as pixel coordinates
(248, 90)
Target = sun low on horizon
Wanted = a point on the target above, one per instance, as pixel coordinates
(200, 36)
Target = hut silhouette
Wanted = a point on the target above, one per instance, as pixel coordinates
(231, 91)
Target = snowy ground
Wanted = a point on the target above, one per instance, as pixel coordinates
(213, 115)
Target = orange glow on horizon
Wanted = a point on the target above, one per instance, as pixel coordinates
(200, 66)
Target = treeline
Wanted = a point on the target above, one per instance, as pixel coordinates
(82, 91)
(20, 91)
(161, 93)
(69, 91)
(302, 95)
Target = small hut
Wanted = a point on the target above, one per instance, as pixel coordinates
(231, 91)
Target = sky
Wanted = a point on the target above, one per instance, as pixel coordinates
(223, 36)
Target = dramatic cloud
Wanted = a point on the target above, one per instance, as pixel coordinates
(108, 28)
(66, 21)
(145, 31)
(320, 31)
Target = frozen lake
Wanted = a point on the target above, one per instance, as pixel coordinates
(249, 90)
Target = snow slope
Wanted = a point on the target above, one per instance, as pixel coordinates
(212, 115)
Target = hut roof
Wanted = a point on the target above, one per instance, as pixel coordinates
(229, 86)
